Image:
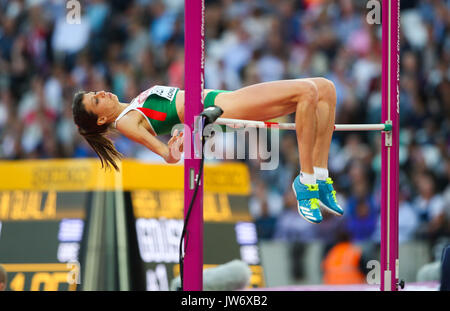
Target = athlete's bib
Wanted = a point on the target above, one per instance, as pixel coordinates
(166, 92)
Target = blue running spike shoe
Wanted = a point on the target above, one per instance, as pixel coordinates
(308, 201)
(327, 197)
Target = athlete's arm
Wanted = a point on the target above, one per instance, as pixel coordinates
(139, 134)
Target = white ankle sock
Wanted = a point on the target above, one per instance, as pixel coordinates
(307, 179)
(320, 173)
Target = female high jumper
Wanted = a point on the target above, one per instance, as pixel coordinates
(156, 110)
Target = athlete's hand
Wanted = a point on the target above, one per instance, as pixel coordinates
(175, 145)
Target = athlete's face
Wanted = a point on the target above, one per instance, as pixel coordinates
(100, 103)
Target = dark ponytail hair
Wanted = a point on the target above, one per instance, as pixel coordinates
(94, 134)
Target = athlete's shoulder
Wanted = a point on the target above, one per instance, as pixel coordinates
(128, 124)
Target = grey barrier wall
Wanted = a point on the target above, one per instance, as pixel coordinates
(287, 263)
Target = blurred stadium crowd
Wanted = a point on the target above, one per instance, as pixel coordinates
(128, 46)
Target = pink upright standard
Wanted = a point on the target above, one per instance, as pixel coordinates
(194, 84)
(390, 146)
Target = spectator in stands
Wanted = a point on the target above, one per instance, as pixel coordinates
(265, 206)
(362, 211)
(429, 206)
(343, 262)
(407, 218)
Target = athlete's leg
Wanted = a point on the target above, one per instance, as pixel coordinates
(269, 100)
(265, 101)
(326, 109)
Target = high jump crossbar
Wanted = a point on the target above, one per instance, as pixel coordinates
(237, 124)
(194, 86)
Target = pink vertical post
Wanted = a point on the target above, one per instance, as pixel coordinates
(390, 145)
(194, 82)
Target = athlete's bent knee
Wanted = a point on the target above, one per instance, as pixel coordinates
(327, 90)
(307, 91)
